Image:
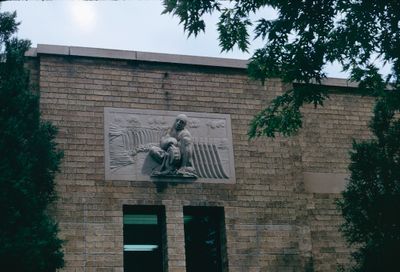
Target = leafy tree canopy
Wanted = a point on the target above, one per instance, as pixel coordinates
(306, 35)
(371, 201)
(28, 162)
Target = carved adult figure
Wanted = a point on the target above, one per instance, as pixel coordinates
(176, 151)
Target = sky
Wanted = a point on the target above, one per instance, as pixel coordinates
(127, 25)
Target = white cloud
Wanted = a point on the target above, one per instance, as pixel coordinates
(83, 15)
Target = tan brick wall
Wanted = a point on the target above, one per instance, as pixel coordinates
(326, 140)
(328, 131)
(272, 223)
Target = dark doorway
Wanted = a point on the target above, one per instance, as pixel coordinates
(205, 239)
(143, 238)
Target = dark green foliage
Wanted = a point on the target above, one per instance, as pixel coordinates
(29, 161)
(284, 112)
(190, 13)
(304, 37)
(371, 201)
(233, 29)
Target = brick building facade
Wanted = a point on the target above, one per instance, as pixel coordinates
(279, 215)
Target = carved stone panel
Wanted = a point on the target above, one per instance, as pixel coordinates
(132, 136)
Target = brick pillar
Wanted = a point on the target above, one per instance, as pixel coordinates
(175, 238)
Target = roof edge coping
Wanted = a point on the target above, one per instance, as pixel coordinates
(140, 56)
(48, 49)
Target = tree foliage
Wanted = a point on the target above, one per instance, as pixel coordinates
(371, 201)
(29, 161)
(305, 36)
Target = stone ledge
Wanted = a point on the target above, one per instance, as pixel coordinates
(102, 53)
(140, 56)
(325, 183)
(52, 49)
(339, 82)
(47, 49)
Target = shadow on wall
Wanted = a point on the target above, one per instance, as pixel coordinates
(286, 262)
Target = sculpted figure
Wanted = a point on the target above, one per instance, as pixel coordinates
(175, 153)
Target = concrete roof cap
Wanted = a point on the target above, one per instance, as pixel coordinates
(48, 49)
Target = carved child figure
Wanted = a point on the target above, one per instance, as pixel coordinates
(175, 153)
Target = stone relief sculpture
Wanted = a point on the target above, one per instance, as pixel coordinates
(167, 146)
(175, 153)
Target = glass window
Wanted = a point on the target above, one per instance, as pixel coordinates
(143, 238)
(205, 239)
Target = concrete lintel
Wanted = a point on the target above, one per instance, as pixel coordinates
(332, 183)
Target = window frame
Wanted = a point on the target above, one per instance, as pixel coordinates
(159, 211)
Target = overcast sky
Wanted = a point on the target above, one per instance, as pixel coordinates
(127, 25)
